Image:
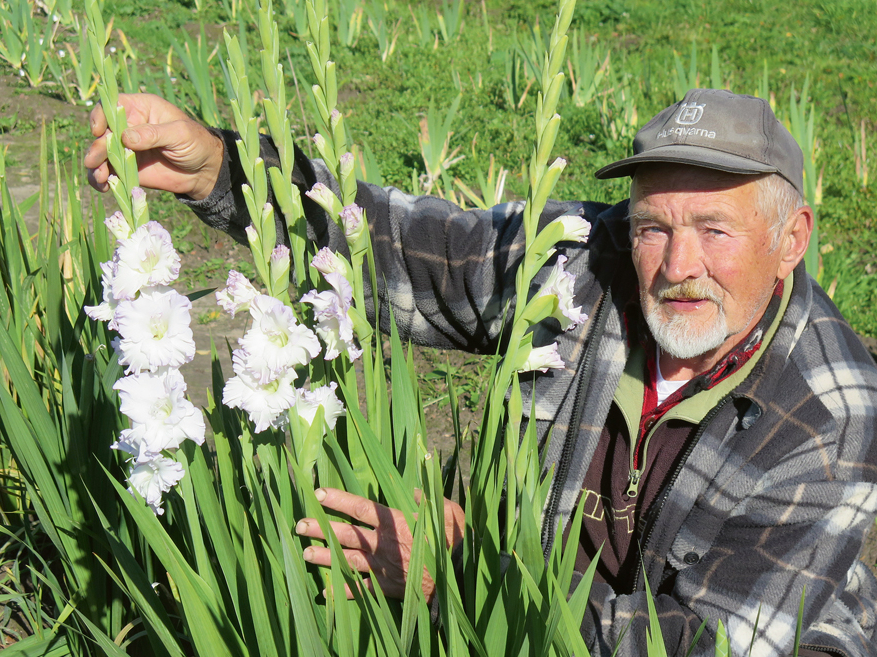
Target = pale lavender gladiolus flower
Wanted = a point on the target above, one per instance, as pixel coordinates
(561, 284)
(346, 163)
(155, 330)
(154, 478)
(266, 403)
(162, 418)
(334, 325)
(308, 401)
(106, 311)
(237, 294)
(145, 259)
(276, 342)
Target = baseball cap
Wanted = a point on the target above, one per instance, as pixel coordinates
(716, 129)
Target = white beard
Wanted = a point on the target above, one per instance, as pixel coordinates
(682, 338)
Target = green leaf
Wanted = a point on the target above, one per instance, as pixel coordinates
(263, 620)
(194, 296)
(210, 628)
(722, 647)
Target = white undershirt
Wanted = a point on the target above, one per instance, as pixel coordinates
(665, 388)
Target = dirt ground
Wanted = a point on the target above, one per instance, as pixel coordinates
(22, 138)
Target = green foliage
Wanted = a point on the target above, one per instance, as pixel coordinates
(58, 414)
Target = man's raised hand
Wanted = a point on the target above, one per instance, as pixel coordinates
(174, 152)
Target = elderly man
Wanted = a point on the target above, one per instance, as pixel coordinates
(717, 414)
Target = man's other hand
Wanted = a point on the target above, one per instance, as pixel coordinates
(174, 152)
(383, 551)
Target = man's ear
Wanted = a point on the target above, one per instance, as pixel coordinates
(796, 238)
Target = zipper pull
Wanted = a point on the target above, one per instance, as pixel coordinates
(633, 487)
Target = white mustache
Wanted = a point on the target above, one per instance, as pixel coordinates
(689, 289)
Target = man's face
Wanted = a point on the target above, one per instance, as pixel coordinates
(703, 255)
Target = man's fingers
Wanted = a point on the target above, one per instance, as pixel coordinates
(96, 154)
(98, 121)
(359, 508)
(97, 178)
(349, 536)
(322, 556)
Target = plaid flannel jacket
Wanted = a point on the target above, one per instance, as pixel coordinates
(775, 494)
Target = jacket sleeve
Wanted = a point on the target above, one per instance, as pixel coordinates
(447, 274)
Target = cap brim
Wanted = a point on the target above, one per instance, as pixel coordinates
(685, 154)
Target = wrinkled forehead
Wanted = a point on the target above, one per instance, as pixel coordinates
(652, 179)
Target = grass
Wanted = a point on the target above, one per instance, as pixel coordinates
(384, 101)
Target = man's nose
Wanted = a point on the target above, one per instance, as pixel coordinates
(683, 258)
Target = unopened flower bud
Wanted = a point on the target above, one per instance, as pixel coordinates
(327, 261)
(280, 254)
(351, 219)
(138, 205)
(252, 235)
(575, 228)
(346, 162)
(118, 226)
(237, 294)
(542, 359)
(325, 198)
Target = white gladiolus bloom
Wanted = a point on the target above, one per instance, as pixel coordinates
(266, 403)
(334, 325)
(162, 418)
(308, 401)
(155, 478)
(145, 259)
(237, 294)
(106, 311)
(561, 284)
(575, 228)
(542, 359)
(276, 342)
(155, 330)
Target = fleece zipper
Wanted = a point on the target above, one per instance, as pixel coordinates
(586, 365)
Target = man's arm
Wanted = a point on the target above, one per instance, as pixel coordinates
(447, 274)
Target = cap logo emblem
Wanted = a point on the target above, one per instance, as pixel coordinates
(689, 113)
